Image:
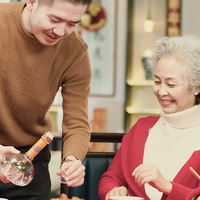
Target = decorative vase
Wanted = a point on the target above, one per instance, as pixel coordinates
(145, 56)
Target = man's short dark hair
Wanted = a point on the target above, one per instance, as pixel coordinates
(83, 2)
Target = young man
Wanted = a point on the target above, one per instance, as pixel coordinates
(40, 52)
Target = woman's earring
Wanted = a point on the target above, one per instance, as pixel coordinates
(195, 93)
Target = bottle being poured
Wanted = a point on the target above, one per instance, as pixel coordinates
(18, 168)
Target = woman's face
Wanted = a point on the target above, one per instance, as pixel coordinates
(171, 87)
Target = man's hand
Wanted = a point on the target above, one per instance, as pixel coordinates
(4, 150)
(73, 172)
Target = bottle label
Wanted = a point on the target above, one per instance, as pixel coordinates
(37, 148)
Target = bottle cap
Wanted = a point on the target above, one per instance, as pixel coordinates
(47, 137)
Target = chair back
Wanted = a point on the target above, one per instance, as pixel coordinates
(96, 164)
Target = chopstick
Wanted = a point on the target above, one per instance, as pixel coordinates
(195, 173)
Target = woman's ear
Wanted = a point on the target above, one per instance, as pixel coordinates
(29, 4)
(197, 91)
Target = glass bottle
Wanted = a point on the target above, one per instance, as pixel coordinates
(18, 168)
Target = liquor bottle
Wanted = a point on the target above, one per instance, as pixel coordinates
(18, 168)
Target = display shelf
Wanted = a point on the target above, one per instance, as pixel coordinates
(54, 114)
(132, 82)
(132, 110)
(140, 101)
(54, 108)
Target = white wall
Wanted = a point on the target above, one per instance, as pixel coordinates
(190, 17)
(115, 104)
(141, 39)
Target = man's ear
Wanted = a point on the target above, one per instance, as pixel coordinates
(29, 4)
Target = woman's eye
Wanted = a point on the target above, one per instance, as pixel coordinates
(171, 85)
(157, 82)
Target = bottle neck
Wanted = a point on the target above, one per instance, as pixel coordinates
(38, 146)
(28, 157)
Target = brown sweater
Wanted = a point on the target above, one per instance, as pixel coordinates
(30, 76)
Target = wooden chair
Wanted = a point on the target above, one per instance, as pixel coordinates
(96, 164)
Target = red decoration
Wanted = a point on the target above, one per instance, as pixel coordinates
(94, 18)
(174, 18)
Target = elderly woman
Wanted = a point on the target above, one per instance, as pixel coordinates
(155, 155)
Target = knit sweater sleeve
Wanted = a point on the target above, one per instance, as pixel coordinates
(112, 178)
(185, 182)
(75, 91)
(194, 193)
(179, 192)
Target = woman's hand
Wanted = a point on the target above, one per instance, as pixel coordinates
(150, 174)
(74, 172)
(117, 191)
(4, 150)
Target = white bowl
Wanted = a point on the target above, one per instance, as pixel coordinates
(125, 198)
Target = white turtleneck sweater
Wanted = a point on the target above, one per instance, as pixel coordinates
(170, 143)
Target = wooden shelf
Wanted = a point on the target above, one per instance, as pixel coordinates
(132, 82)
(132, 110)
(54, 108)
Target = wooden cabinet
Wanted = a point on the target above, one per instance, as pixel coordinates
(54, 113)
(140, 101)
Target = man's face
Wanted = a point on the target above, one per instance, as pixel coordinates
(50, 23)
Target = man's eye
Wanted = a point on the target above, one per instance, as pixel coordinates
(72, 24)
(54, 21)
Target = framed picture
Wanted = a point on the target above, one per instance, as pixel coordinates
(102, 47)
(17, 0)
